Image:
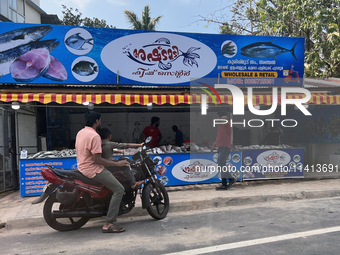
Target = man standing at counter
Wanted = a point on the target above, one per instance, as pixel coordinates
(223, 144)
(91, 164)
(153, 131)
(178, 136)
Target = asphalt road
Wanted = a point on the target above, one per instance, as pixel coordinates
(299, 227)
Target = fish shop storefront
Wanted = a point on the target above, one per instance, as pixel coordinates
(127, 122)
(56, 73)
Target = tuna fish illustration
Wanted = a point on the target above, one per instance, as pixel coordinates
(85, 68)
(22, 36)
(163, 53)
(56, 71)
(77, 42)
(265, 50)
(9, 56)
(31, 65)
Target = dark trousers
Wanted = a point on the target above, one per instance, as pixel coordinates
(223, 154)
(124, 170)
(106, 178)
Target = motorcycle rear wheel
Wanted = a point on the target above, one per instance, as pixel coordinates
(158, 208)
(61, 224)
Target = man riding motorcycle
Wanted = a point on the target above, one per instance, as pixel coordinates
(91, 164)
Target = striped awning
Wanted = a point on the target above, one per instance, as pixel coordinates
(159, 99)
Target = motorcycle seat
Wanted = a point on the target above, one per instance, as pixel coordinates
(74, 174)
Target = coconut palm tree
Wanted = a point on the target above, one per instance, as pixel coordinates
(146, 23)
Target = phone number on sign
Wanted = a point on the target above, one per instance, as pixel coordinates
(258, 81)
(319, 168)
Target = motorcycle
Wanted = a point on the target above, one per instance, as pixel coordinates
(289, 78)
(73, 199)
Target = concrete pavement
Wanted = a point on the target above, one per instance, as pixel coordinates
(18, 212)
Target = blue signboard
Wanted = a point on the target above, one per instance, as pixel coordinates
(173, 169)
(184, 169)
(272, 164)
(55, 54)
(31, 181)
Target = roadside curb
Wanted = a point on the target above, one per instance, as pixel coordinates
(182, 206)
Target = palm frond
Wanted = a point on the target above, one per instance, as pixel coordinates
(133, 19)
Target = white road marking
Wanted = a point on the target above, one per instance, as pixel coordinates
(230, 246)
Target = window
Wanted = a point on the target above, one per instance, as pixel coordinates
(12, 15)
(21, 19)
(4, 8)
(13, 4)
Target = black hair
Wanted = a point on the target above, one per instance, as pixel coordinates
(221, 113)
(104, 133)
(174, 128)
(154, 119)
(91, 117)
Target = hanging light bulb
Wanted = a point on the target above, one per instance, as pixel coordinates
(15, 105)
(90, 106)
(149, 106)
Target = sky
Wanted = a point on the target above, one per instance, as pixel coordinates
(178, 15)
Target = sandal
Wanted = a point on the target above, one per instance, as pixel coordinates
(113, 229)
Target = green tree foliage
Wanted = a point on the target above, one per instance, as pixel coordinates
(318, 21)
(146, 23)
(72, 17)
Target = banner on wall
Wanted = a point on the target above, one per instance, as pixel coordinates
(173, 169)
(199, 168)
(31, 181)
(46, 54)
(273, 164)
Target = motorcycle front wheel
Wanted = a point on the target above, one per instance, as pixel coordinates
(61, 224)
(159, 201)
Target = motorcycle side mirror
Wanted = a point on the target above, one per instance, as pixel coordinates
(148, 140)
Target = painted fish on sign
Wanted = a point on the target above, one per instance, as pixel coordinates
(265, 50)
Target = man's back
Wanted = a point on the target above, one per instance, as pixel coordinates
(88, 142)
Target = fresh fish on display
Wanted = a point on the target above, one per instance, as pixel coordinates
(159, 151)
(265, 50)
(9, 56)
(47, 154)
(21, 36)
(85, 68)
(37, 154)
(30, 65)
(163, 148)
(262, 147)
(55, 154)
(77, 42)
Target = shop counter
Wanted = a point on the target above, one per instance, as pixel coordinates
(187, 168)
(273, 163)
(175, 169)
